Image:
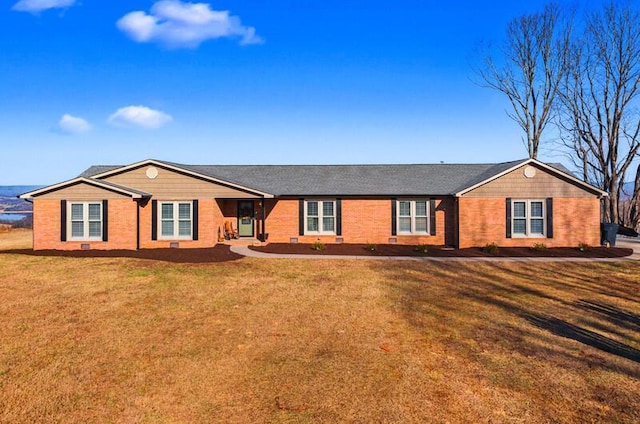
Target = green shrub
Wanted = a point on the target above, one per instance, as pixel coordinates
(371, 247)
(539, 247)
(490, 248)
(422, 248)
(583, 247)
(318, 245)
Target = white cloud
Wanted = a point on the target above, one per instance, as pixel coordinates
(177, 24)
(139, 116)
(35, 6)
(70, 124)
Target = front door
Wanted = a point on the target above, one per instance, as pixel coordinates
(245, 218)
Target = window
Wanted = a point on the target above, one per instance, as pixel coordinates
(320, 216)
(176, 220)
(86, 220)
(529, 218)
(413, 216)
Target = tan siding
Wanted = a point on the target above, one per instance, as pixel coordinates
(82, 191)
(173, 185)
(542, 185)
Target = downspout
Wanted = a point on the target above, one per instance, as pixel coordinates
(33, 223)
(264, 207)
(137, 225)
(456, 213)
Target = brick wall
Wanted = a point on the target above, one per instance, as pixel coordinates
(575, 220)
(122, 227)
(46, 226)
(209, 220)
(482, 221)
(363, 221)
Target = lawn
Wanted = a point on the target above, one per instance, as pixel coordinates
(123, 340)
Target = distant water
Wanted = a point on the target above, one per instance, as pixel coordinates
(11, 217)
(13, 191)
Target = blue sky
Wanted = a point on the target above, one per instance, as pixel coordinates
(247, 82)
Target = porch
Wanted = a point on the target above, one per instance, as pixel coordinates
(243, 221)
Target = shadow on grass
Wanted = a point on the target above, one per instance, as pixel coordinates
(479, 302)
(564, 329)
(219, 253)
(616, 315)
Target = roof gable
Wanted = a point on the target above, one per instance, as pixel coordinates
(105, 185)
(503, 169)
(105, 171)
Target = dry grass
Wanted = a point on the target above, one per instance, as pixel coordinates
(19, 238)
(102, 340)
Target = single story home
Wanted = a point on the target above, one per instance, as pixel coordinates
(159, 204)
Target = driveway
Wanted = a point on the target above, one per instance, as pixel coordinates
(630, 243)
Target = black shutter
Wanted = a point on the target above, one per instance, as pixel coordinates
(508, 217)
(154, 220)
(195, 219)
(338, 217)
(393, 217)
(301, 217)
(432, 217)
(550, 217)
(63, 220)
(105, 220)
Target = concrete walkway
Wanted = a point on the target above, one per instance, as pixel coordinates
(621, 242)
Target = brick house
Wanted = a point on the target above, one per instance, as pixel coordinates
(158, 204)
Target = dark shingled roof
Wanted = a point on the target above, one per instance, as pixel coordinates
(347, 180)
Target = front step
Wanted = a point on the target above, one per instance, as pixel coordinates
(243, 241)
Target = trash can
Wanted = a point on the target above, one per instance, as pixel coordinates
(608, 231)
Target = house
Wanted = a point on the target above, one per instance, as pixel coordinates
(158, 204)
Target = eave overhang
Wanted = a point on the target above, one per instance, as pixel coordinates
(125, 191)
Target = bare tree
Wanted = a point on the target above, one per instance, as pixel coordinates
(599, 121)
(533, 63)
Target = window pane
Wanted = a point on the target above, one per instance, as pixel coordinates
(405, 225)
(77, 211)
(77, 229)
(327, 224)
(184, 211)
(404, 208)
(184, 228)
(327, 208)
(519, 209)
(537, 226)
(167, 211)
(167, 228)
(421, 225)
(519, 226)
(94, 212)
(421, 208)
(312, 224)
(312, 208)
(536, 209)
(95, 229)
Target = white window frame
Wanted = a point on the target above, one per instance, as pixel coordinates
(413, 216)
(176, 220)
(85, 221)
(528, 218)
(320, 217)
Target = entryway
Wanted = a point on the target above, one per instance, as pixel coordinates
(246, 218)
